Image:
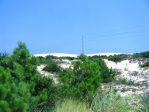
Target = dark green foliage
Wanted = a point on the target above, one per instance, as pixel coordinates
(14, 95)
(69, 58)
(82, 80)
(121, 57)
(141, 55)
(21, 54)
(115, 58)
(107, 75)
(45, 60)
(50, 57)
(118, 58)
(5, 61)
(52, 66)
(20, 83)
(146, 64)
(41, 60)
(97, 57)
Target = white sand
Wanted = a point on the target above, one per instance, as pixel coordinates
(57, 55)
(65, 64)
(47, 74)
(131, 71)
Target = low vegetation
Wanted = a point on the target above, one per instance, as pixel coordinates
(114, 58)
(141, 55)
(52, 66)
(145, 102)
(82, 80)
(72, 105)
(118, 58)
(121, 57)
(110, 102)
(146, 64)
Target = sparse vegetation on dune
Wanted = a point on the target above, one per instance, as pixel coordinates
(52, 66)
(24, 89)
(146, 64)
(141, 55)
(121, 57)
(114, 58)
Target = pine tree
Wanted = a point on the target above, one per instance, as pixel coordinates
(81, 80)
(20, 83)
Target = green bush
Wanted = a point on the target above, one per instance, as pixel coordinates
(107, 74)
(141, 55)
(14, 95)
(118, 58)
(68, 58)
(115, 58)
(146, 64)
(81, 80)
(52, 66)
(20, 83)
(41, 60)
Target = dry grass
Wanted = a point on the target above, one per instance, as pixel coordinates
(71, 105)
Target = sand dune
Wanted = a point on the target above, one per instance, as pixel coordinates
(75, 55)
(57, 55)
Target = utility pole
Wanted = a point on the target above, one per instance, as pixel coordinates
(82, 44)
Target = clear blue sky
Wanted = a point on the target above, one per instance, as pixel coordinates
(57, 25)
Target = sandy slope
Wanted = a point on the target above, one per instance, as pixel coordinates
(64, 64)
(47, 74)
(137, 77)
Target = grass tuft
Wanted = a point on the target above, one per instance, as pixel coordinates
(71, 105)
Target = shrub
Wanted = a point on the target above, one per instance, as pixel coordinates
(41, 60)
(115, 58)
(20, 83)
(141, 55)
(118, 58)
(107, 74)
(51, 57)
(146, 64)
(14, 97)
(82, 80)
(122, 81)
(52, 66)
(68, 58)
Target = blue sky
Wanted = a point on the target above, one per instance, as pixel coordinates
(58, 25)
